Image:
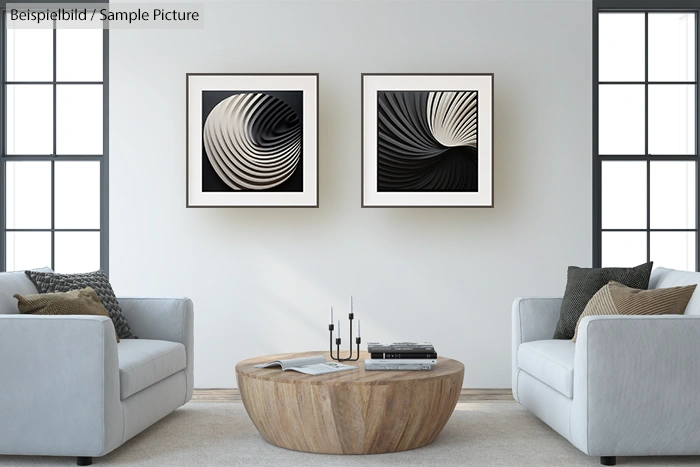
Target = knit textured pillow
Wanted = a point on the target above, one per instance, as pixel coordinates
(48, 282)
(617, 299)
(76, 302)
(583, 283)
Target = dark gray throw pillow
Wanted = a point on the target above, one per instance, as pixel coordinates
(583, 283)
(48, 282)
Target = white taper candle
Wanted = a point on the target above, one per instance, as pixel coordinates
(331, 318)
(337, 331)
(350, 303)
(358, 328)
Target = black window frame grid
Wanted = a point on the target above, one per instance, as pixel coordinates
(103, 158)
(646, 7)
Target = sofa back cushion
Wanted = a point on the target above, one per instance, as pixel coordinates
(662, 278)
(12, 283)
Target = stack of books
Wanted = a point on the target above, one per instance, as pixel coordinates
(400, 356)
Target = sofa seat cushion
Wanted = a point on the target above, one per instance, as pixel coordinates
(144, 362)
(550, 361)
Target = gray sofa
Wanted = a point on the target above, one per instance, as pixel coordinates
(629, 386)
(68, 389)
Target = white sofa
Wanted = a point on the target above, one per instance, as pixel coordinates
(68, 389)
(629, 386)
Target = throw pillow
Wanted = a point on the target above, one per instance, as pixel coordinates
(583, 283)
(617, 299)
(53, 282)
(76, 302)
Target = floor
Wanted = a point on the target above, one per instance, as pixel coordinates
(221, 434)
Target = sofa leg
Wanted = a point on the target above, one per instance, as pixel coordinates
(88, 461)
(608, 460)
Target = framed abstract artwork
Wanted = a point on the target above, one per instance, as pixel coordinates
(427, 140)
(252, 140)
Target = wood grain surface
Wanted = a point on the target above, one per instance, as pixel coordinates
(351, 412)
(466, 396)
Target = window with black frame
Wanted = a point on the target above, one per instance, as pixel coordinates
(53, 165)
(645, 143)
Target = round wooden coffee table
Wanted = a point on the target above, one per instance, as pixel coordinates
(351, 412)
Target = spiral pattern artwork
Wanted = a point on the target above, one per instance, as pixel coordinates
(427, 141)
(253, 141)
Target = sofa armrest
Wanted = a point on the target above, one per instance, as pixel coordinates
(533, 319)
(636, 383)
(167, 319)
(59, 385)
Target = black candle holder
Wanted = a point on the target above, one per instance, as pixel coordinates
(331, 328)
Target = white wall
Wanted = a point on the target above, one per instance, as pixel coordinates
(262, 279)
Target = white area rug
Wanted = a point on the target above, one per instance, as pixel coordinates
(221, 434)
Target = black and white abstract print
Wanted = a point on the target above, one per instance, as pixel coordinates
(252, 141)
(427, 141)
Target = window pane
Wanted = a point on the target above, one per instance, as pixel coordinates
(30, 119)
(675, 250)
(673, 195)
(624, 195)
(29, 54)
(624, 249)
(79, 54)
(28, 201)
(77, 252)
(621, 119)
(28, 250)
(621, 47)
(671, 119)
(671, 47)
(79, 119)
(77, 195)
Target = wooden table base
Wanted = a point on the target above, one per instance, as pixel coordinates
(351, 412)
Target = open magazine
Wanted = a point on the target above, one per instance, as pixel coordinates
(308, 365)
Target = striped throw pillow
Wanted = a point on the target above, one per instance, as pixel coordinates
(618, 299)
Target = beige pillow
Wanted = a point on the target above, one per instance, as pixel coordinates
(618, 299)
(76, 302)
